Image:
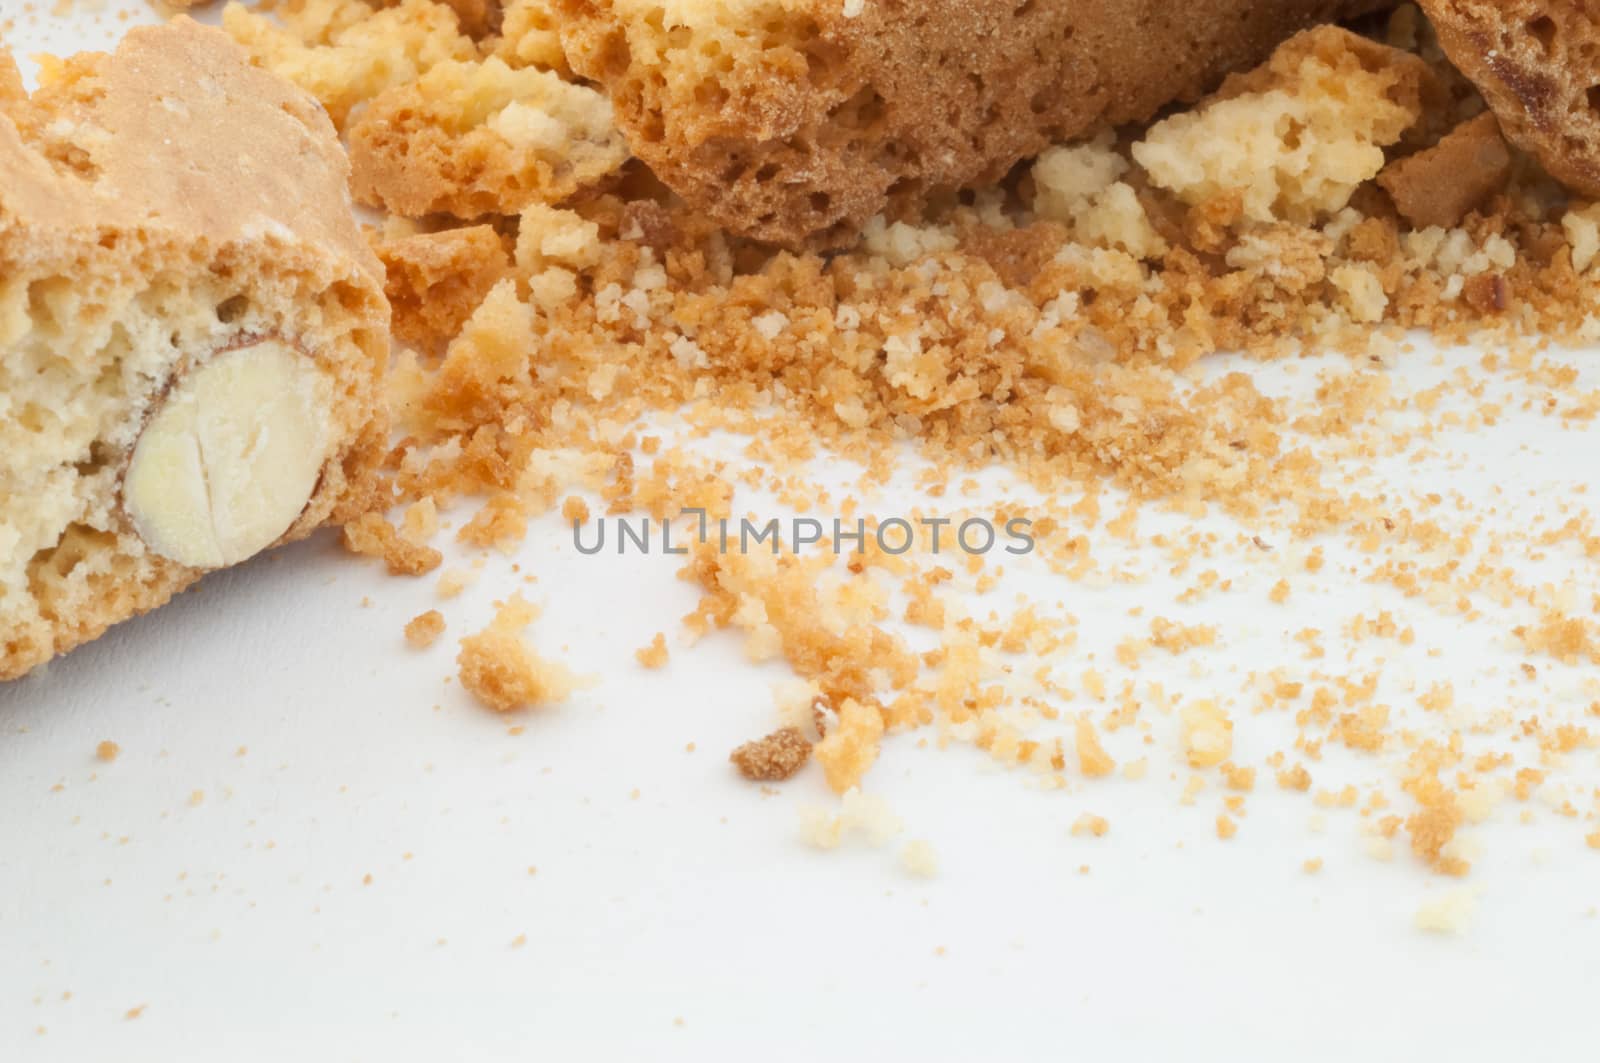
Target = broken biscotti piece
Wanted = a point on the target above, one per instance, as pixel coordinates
(1537, 62)
(482, 138)
(192, 331)
(797, 120)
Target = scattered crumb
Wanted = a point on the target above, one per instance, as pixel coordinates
(1090, 824)
(919, 859)
(498, 668)
(773, 758)
(1449, 912)
(424, 629)
(655, 654)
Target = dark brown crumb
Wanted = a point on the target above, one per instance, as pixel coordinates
(773, 758)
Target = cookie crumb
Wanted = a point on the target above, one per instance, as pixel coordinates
(373, 536)
(424, 629)
(654, 655)
(919, 858)
(1093, 759)
(1091, 825)
(773, 758)
(498, 669)
(1447, 913)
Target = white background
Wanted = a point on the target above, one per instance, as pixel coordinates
(675, 912)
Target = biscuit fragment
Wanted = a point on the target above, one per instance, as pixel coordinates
(1537, 62)
(478, 138)
(345, 52)
(1294, 138)
(192, 332)
(796, 120)
(436, 280)
(1443, 184)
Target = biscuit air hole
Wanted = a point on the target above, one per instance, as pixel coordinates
(232, 309)
(1594, 99)
(1543, 30)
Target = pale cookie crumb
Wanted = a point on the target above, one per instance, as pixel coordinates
(919, 859)
(863, 815)
(424, 629)
(1093, 759)
(851, 745)
(1090, 824)
(452, 581)
(107, 751)
(1449, 912)
(654, 655)
(1207, 733)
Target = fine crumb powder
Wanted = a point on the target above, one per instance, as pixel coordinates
(773, 758)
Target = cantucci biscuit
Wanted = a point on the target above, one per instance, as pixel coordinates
(192, 331)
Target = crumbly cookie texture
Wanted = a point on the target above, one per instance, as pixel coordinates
(1537, 62)
(1294, 138)
(797, 120)
(345, 52)
(530, 36)
(479, 138)
(436, 280)
(192, 331)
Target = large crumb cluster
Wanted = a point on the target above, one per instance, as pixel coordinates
(1061, 325)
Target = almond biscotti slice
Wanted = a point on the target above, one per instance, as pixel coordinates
(192, 331)
(1537, 62)
(797, 120)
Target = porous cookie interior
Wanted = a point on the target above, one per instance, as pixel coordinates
(88, 359)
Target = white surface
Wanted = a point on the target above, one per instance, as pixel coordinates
(667, 889)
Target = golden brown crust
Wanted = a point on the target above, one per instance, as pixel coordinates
(1537, 62)
(798, 122)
